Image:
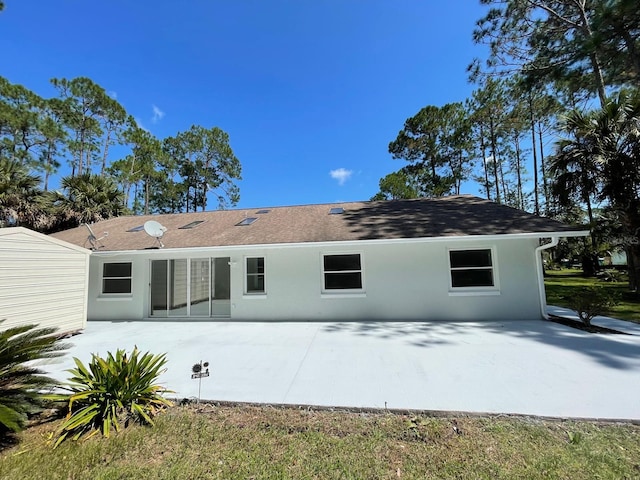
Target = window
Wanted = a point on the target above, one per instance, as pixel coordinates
(342, 272)
(246, 221)
(116, 277)
(139, 228)
(191, 225)
(255, 275)
(336, 211)
(471, 268)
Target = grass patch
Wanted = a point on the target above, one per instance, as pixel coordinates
(201, 442)
(560, 284)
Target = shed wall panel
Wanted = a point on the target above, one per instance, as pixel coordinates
(42, 281)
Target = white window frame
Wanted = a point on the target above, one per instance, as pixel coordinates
(104, 279)
(342, 291)
(246, 275)
(475, 290)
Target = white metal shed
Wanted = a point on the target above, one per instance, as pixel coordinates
(43, 280)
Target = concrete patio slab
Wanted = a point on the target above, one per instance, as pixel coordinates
(518, 367)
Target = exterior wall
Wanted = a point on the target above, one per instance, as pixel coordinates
(402, 281)
(42, 281)
(119, 306)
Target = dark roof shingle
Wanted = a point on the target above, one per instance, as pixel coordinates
(459, 215)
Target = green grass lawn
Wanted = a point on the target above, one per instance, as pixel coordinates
(263, 442)
(561, 283)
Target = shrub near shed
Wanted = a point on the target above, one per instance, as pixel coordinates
(113, 392)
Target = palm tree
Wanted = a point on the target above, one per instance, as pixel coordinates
(21, 199)
(601, 160)
(575, 166)
(21, 382)
(618, 126)
(87, 198)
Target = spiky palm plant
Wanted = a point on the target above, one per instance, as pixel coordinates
(113, 392)
(22, 383)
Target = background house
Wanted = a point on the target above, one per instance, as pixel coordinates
(43, 280)
(450, 258)
(614, 258)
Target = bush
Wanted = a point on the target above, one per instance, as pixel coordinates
(113, 392)
(21, 382)
(610, 276)
(590, 302)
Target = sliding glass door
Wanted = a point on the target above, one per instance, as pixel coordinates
(221, 292)
(159, 288)
(196, 287)
(199, 287)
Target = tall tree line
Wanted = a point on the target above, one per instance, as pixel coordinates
(552, 125)
(80, 129)
(488, 139)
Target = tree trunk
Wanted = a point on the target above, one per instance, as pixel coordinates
(457, 174)
(519, 172)
(47, 169)
(597, 70)
(146, 195)
(631, 225)
(587, 201)
(126, 191)
(483, 149)
(105, 151)
(135, 197)
(633, 266)
(593, 57)
(543, 168)
(633, 53)
(81, 152)
(591, 266)
(536, 194)
(495, 158)
(589, 263)
(505, 188)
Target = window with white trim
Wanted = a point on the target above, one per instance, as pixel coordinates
(342, 272)
(116, 278)
(471, 268)
(255, 275)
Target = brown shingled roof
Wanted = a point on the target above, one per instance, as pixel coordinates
(420, 218)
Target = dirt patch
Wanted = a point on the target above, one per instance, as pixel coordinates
(585, 328)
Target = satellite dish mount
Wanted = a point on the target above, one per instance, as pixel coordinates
(156, 230)
(93, 240)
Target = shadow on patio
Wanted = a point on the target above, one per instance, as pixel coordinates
(614, 351)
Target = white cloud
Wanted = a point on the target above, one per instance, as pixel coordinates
(157, 114)
(140, 125)
(341, 175)
(113, 94)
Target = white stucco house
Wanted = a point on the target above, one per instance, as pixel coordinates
(450, 258)
(43, 281)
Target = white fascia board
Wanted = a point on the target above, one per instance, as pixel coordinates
(349, 243)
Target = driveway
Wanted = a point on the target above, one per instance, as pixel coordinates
(521, 367)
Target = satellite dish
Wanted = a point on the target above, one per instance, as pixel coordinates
(155, 229)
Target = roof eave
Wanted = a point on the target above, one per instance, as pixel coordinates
(452, 238)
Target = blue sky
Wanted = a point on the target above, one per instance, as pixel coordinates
(310, 92)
